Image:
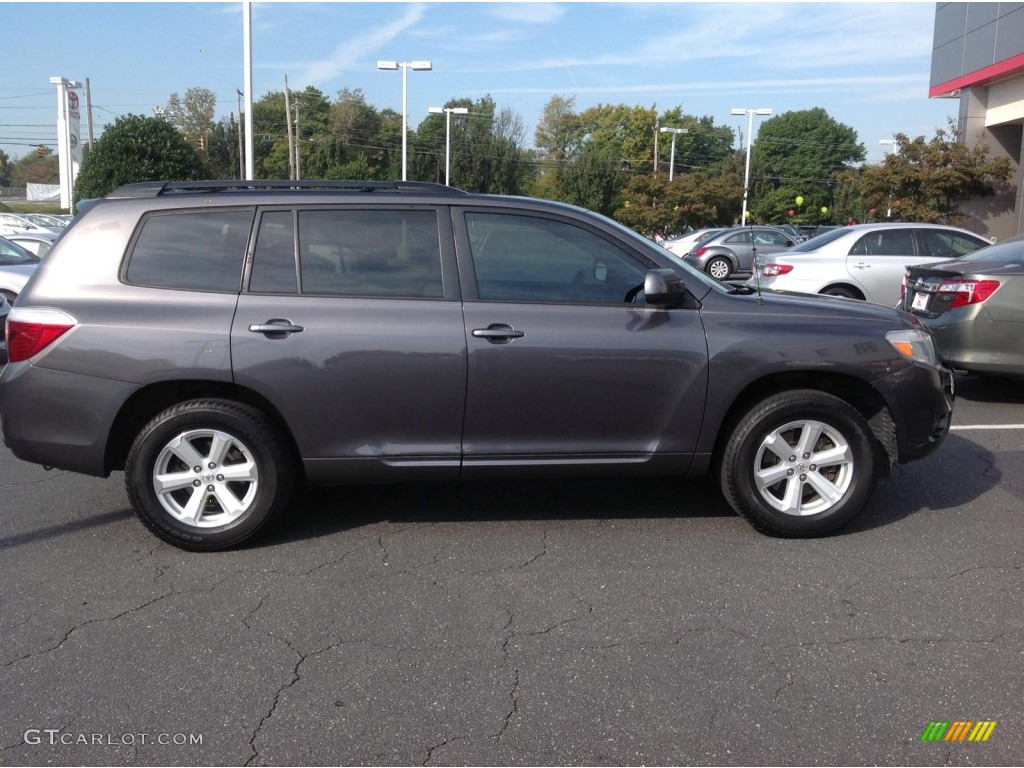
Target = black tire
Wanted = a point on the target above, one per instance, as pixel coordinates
(719, 268)
(225, 508)
(795, 505)
(846, 293)
(10, 296)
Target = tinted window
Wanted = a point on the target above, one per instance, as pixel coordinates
(739, 237)
(12, 253)
(886, 242)
(816, 242)
(273, 263)
(1007, 252)
(523, 258)
(194, 250)
(948, 245)
(348, 252)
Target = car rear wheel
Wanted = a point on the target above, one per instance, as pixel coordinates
(799, 463)
(209, 474)
(719, 268)
(10, 296)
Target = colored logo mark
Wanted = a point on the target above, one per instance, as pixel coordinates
(958, 730)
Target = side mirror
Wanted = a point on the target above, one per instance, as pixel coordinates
(664, 288)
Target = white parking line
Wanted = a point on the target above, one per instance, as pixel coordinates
(987, 426)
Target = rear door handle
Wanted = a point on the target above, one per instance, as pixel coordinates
(276, 328)
(498, 333)
(861, 265)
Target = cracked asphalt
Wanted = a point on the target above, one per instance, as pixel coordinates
(583, 623)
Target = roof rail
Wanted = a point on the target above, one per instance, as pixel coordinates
(159, 188)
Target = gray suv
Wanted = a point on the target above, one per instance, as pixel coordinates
(225, 342)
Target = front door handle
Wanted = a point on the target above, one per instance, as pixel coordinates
(498, 333)
(276, 328)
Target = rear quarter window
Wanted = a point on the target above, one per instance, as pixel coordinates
(191, 250)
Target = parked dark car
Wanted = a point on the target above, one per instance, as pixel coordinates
(223, 342)
(974, 306)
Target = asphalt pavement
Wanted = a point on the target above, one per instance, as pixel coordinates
(566, 623)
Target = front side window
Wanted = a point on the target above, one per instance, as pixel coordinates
(533, 259)
(191, 250)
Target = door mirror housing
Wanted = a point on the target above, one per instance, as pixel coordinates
(664, 288)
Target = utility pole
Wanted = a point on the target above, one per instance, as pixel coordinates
(288, 127)
(656, 125)
(88, 110)
(241, 152)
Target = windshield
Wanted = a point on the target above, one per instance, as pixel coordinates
(816, 242)
(691, 272)
(12, 254)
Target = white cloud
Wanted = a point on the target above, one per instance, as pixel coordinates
(352, 53)
(528, 13)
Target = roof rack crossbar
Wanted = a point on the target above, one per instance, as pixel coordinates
(159, 188)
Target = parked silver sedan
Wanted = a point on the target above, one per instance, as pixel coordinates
(974, 307)
(864, 261)
(733, 250)
(16, 267)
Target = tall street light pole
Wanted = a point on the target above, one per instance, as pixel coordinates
(449, 111)
(419, 66)
(750, 127)
(672, 154)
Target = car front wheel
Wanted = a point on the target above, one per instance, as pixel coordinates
(799, 463)
(209, 474)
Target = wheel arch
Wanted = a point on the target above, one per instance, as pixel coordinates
(857, 292)
(152, 399)
(857, 392)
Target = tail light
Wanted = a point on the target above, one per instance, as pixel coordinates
(698, 251)
(968, 291)
(774, 270)
(903, 288)
(31, 330)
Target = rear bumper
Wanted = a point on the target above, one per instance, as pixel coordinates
(58, 419)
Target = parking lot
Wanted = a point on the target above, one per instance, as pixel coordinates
(615, 623)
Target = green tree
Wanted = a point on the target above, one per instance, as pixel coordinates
(193, 114)
(222, 150)
(35, 169)
(558, 138)
(704, 147)
(925, 180)
(133, 149)
(653, 204)
(5, 169)
(796, 154)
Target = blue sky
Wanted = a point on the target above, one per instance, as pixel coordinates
(867, 64)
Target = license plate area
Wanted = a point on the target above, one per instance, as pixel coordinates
(920, 301)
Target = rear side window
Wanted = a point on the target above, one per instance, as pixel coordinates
(349, 252)
(191, 250)
(885, 242)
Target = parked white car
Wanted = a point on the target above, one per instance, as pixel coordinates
(15, 222)
(16, 266)
(863, 261)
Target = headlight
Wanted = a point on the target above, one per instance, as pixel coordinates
(914, 345)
